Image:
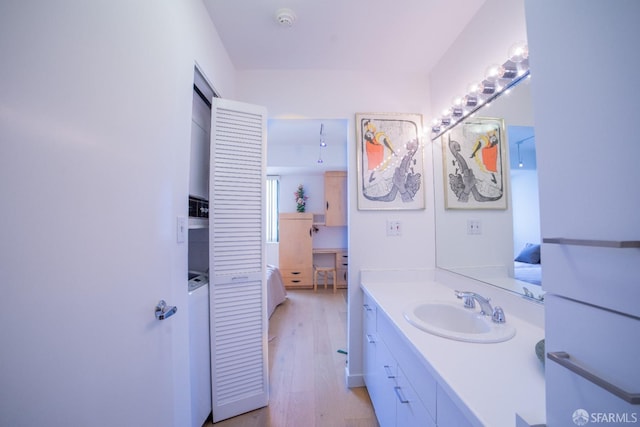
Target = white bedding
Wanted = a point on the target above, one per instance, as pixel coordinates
(530, 273)
(276, 293)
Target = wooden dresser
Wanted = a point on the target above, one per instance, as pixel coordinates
(296, 249)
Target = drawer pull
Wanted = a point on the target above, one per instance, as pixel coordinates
(598, 243)
(387, 369)
(367, 307)
(371, 339)
(562, 358)
(399, 394)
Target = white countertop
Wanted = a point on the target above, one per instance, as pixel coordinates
(494, 381)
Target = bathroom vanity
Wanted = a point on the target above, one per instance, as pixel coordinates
(416, 378)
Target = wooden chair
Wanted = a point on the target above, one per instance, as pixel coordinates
(324, 272)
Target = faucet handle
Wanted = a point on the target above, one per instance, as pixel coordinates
(467, 299)
(498, 315)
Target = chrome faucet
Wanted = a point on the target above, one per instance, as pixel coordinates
(469, 299)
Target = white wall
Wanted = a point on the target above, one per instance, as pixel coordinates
(340, 94)
(94, 127)
(313, 185)
(485, 41)
(526, 208)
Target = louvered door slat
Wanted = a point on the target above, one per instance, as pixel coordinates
(236, 226)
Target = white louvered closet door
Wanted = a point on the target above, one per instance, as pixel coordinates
(239, 369)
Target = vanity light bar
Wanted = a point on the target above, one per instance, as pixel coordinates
(499, 80)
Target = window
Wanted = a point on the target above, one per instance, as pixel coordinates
(273, 188)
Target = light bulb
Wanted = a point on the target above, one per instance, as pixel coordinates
(494, 72)
(518, 52)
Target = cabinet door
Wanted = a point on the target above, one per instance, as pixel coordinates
(607, 348)
(335, 194)
(237, 259)
(448, 414)
(410, 412)
(296, 240)
(369, 347)
(386, 373)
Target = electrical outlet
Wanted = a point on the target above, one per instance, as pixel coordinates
(393, 228)
(474, 226)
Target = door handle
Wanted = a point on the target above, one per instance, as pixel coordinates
(564, 359)
(163, 310)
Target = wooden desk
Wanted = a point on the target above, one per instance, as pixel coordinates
(329, 257)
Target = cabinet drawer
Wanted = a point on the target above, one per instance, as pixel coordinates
(342, 259)
(369, 313)
(411, 364)
(369, 344)
(410, 412)
(297, 278)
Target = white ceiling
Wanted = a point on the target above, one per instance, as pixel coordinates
(400, 35)
(361, 35)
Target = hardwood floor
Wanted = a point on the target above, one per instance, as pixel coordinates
(306, 372)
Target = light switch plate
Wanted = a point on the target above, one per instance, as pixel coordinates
(474, 226)
(394, 228)
(181, 229)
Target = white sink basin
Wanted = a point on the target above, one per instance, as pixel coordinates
(453, 321)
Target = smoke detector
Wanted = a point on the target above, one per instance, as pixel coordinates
(285, 17)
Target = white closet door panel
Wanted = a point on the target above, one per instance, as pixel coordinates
(237, 259)
(606, 277)
(603, 343)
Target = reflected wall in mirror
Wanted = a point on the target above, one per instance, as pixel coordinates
(294, 146)
(498, 247)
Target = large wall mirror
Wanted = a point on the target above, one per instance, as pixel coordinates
(496, 246)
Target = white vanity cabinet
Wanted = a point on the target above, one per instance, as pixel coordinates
(375, 355)
(402, 390)
(446, 383)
